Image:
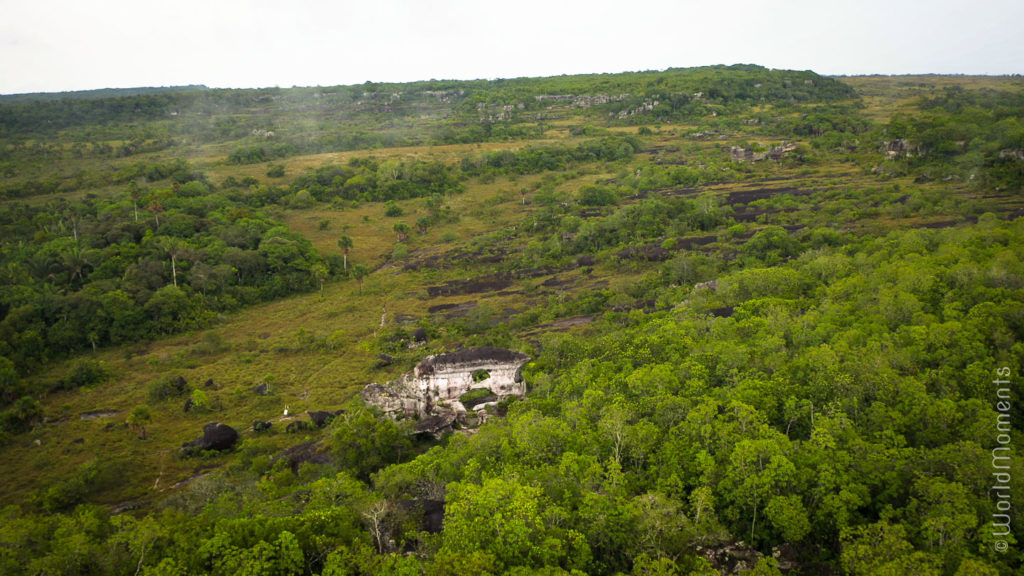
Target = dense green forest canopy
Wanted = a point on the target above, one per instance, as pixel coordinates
(774, 324)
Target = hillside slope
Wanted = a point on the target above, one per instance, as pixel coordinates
(765, 311)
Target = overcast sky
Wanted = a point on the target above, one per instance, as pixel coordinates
(57, 45)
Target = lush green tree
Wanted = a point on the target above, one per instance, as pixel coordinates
(423, 224)
(401, 231)
(10, 382)
(23, 413)
(167, 308)
(505, 518)
(759, 471)
(882, 548)
(365, 443)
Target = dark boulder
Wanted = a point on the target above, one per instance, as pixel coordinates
(433, 515)
(312, 452)
(215, 436)
(297, 426)
(209, 383)
(419, 335)
(430, 513)
(322, 418)
(384, 360)
(724, 312)
(262, 389)
(648, 304)
(260, 426)
(649, 253)
(492, 283)
(435, 425)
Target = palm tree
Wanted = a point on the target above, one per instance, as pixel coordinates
(176, 249)
(135, 194)
(321, 273)
(156, 208)
(75, 262)
(345, 243)
(423, 224)
(138, 418)
(359, 272)
(43, 265)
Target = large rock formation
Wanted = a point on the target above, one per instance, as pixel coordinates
(432, 391)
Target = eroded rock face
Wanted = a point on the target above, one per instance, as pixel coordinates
(431, 392)
(448, 376)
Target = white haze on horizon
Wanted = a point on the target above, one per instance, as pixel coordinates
(60, 45)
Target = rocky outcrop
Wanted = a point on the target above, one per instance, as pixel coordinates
(581, 100)
(730, 558)
(900, 148)
(740, 154)
(711, 285)
(431, 392)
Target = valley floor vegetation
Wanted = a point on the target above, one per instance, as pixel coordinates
(775, 325)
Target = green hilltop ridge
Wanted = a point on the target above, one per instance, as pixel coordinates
(98, 93)
(764, 320)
